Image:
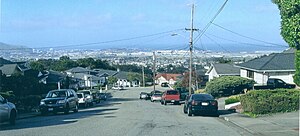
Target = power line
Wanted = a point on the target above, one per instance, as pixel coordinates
(211, 21)
(243, 43)
(217, 43)
(246, 36)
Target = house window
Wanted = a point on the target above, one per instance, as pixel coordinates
(250, 74)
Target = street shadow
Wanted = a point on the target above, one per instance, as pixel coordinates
(226, 112)
(56, 119)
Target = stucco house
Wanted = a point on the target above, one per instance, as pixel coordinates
(276, 65)
(166, 78)
(222, 69)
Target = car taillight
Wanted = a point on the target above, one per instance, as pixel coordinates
(215, 103)
(194, 102)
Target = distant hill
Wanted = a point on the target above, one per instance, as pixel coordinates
(4, 46)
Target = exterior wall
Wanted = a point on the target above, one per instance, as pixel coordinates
(262, 78)
(243, 73)
(285, 76)
(212, 74)
(172, 82)
(161, 80)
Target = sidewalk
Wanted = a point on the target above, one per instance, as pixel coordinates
(280, 124)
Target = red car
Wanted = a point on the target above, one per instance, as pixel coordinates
(170, 96)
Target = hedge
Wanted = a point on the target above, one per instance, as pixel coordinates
(228, 85)
(270, 101)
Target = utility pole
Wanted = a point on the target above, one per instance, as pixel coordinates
(143, 72)
(191, 47)
(154, 70)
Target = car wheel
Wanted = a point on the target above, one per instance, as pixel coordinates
(67, 109)
(161, 102)
(165, 103)
(184, 110)
(189, 112)
(13, 116)
(76, 108)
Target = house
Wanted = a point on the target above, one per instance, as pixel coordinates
(166, 78)
(87, 81)
(123, 79)
(222, 69)
(52, 78)
(11, 69)
(276, 65)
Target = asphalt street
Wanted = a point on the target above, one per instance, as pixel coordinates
(123, 115)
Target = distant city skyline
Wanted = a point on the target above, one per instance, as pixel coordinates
(138, 24)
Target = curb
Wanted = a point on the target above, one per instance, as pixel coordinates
(19, 117)
(246, 129)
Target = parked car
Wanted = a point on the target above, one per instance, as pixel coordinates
(200, 103)
(144, 95)
(274, 83)
(8, 111)
(156, 97)
(88, 96)
(96, 96)
(103, 96)
(82, 101)
(165, 84)
(155, 92)
(62, 100)
(170, 96)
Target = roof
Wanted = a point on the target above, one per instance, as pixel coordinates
(168, 76)
(225, 69)
(105, 72)
(284, 61)
(122, 75)
(78, 70)
(55, 76)
(9, 69)
(82, 75)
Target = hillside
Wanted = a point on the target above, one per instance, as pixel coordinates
(4, 46)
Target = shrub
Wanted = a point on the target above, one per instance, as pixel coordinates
(232, 99)
(271, 101)
(228, 85)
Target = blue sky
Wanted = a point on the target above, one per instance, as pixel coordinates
(52, 23)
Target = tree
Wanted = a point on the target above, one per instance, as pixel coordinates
(290, 28)
(112, 80)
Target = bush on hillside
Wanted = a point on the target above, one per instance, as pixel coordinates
(228, 85)
(271, 101)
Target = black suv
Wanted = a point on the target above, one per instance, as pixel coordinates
(62, 100)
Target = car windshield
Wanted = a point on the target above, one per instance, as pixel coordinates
(56, 94)
(203, 97)
(173, 92)
(80, 95)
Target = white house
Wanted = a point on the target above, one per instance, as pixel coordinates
(166, 78)
(276, 65)
(222, 69)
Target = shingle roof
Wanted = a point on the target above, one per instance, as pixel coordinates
(78, 70)
(226, 69)
(55, 76)
(274, 62)
(104, 71)
(9, 69)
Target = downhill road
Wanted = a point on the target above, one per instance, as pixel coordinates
(123, 115)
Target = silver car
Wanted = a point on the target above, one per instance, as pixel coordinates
(8, 111)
